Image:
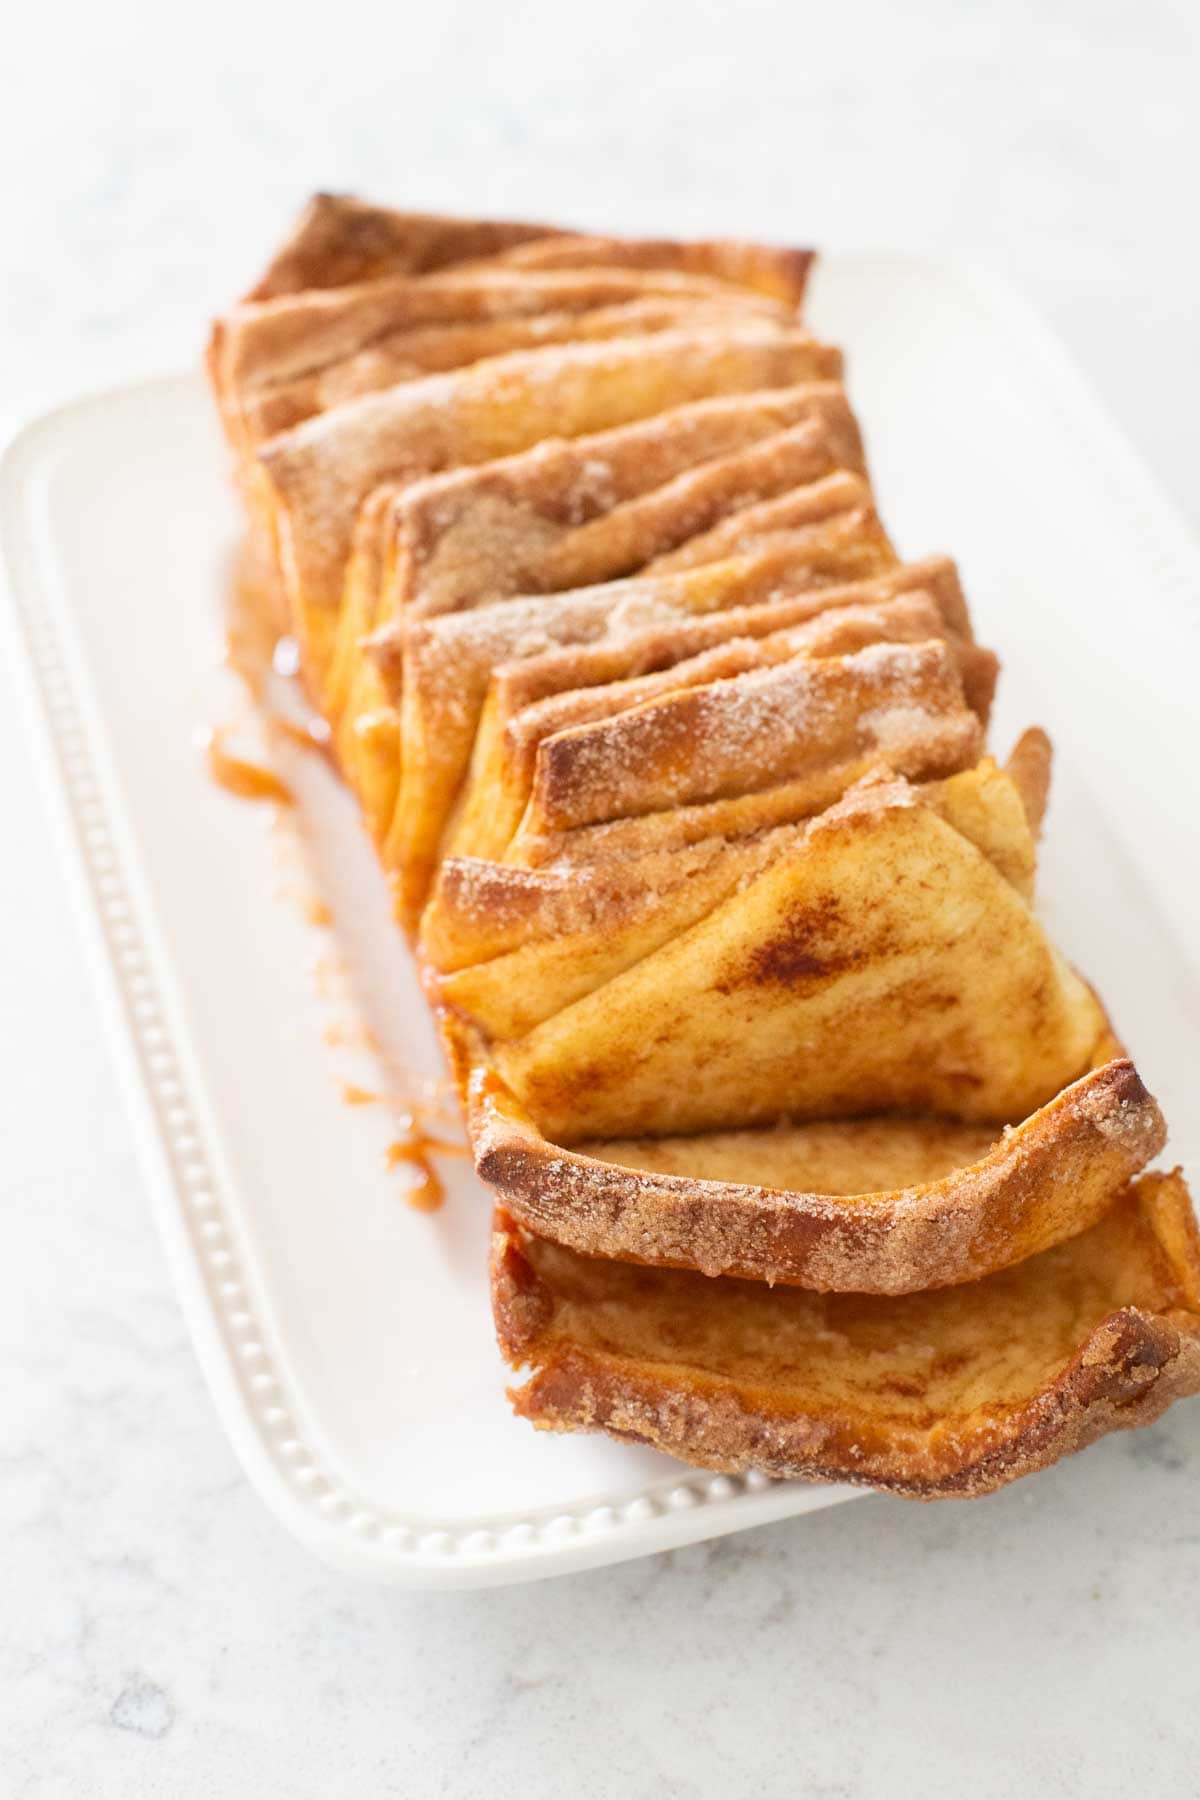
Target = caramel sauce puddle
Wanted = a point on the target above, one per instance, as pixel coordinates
(413, 1149)
(238, 774)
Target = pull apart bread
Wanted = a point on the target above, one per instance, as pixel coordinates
(811, 1153)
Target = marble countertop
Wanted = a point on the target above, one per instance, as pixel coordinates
(159, 1635)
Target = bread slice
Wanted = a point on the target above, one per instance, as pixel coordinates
(882, 964)
(884, 1204)
(339, 241)
(322, 471)
(568, 514)
(952, 1392)
(606, 504)
(509, 947)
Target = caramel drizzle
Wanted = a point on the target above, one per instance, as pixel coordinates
(256, 653)
(426, 1192)
(413, 1149)
(237, 774)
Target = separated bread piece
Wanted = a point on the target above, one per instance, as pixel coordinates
(878, 1205)
(457, 673)
(338, 240)
(951, 1392)
(882, 965)
(322, 471)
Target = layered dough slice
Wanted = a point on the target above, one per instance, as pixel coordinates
(277, 362)
(880, 1205)
(952, 1392)
(506, 947)
(322, 471)
(880, 964)
(570, 514)
(511, 805)
(777, 270)
(468, 675)
(573, 513)
(740, 754)
(1030, 1118)
(338, 241)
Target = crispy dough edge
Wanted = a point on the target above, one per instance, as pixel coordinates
(338, 240)
(1129, 1369)
(973, 1222)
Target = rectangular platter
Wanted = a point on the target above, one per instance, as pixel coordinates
(347, 1337)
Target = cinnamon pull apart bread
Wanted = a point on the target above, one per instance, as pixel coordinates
(811, 1154)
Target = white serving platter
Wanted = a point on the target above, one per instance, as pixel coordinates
(347, 1338)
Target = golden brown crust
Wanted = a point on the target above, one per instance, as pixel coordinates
(438, 669)
(322, 470)
(1029, 766)
(338, 240)
(277, 362)
(940, 1395)
(514, 741)
(879, 963)
(777, 270)
(1048, 1178)
(899, 705)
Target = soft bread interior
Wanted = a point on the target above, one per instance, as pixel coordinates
(953, 1391)
(881, 963)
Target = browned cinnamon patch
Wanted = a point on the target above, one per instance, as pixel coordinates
(792, 953)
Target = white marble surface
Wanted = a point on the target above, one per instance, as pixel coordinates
(158, 1635)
